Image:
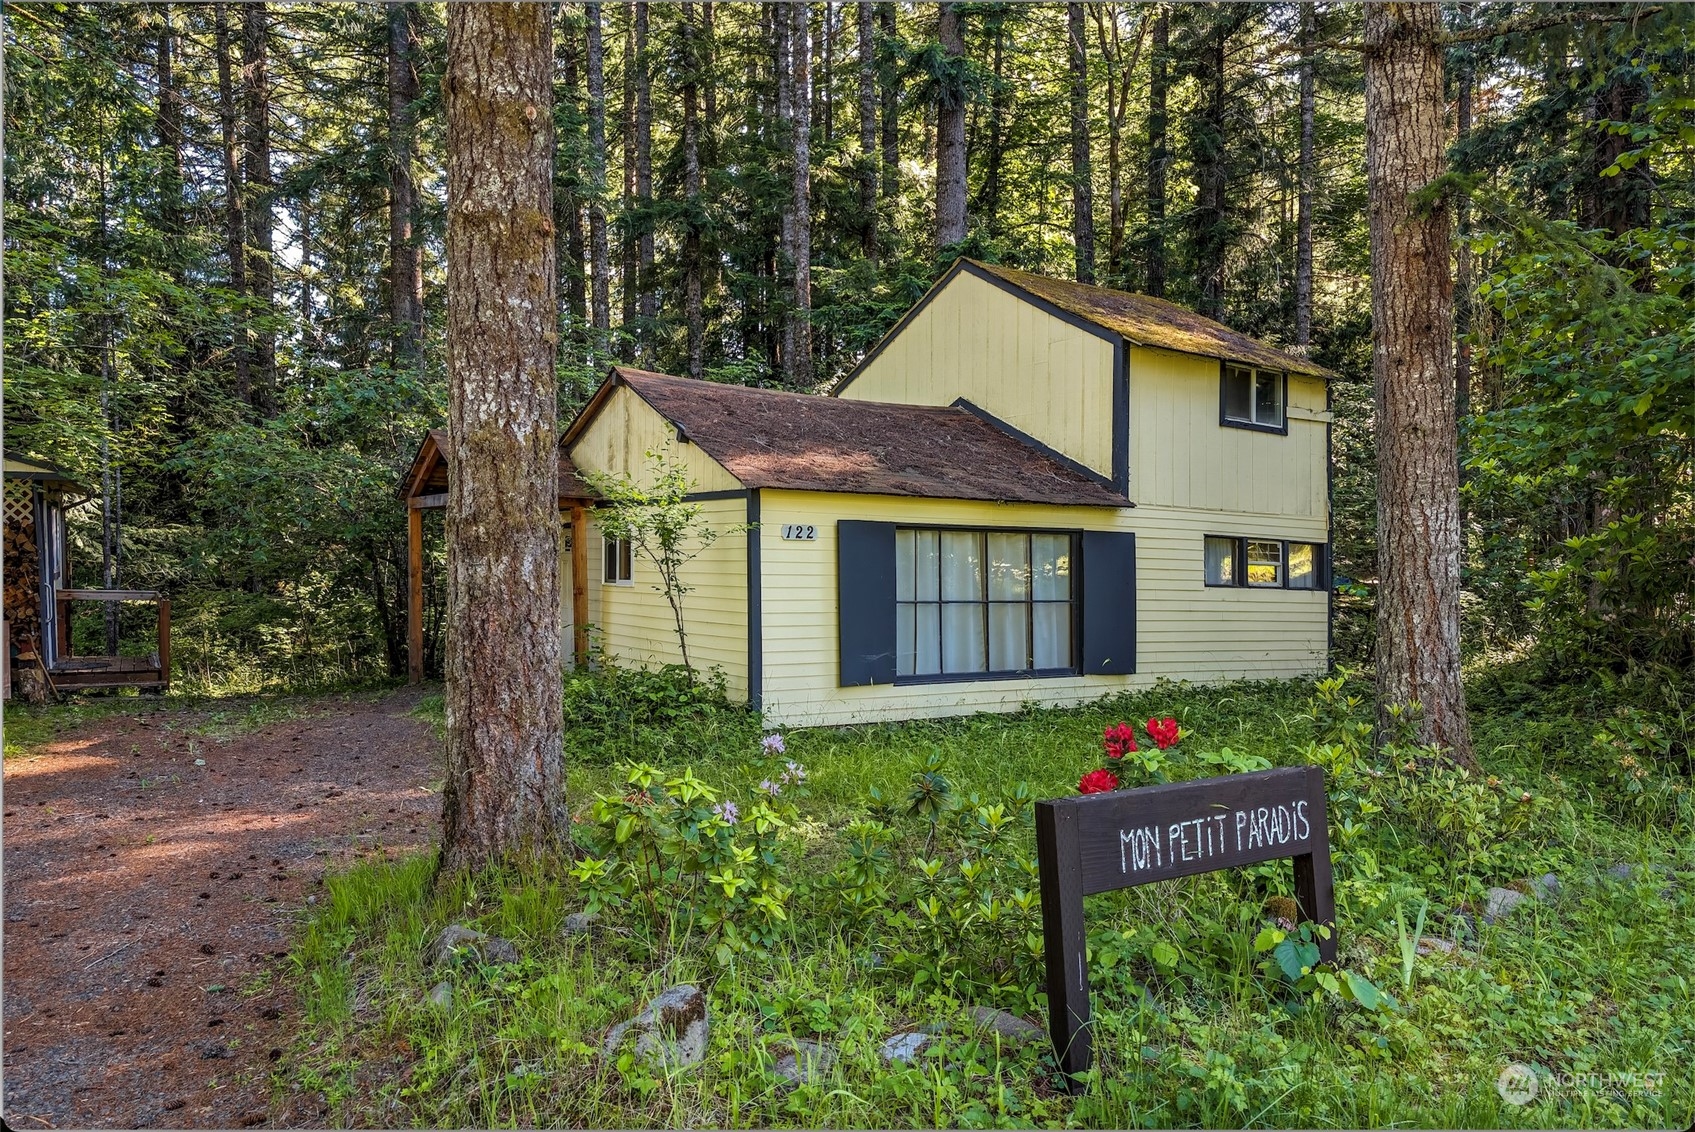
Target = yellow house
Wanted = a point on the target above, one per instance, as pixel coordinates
(1031, 490)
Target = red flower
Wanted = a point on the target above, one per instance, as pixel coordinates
(1119, 740)
(1097, 782)
(1163, 732)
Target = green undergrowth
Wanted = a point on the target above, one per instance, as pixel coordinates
(893, 869)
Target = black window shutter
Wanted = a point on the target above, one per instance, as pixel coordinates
(865, 602)
(1109, 603)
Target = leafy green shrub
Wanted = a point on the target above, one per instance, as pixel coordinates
(614, 713)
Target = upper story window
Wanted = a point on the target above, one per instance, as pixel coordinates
(615, 561)
(1253, 398)
(1264, 563)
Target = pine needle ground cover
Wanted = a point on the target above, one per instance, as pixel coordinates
(859, 891)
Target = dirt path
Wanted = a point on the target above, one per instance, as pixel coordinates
(148, 902)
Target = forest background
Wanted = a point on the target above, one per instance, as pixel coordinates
(224, 292)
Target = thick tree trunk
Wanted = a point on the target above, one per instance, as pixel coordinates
(989, 202)
(867, 129)
(825, 115)
(950, 131)
(1207, 140)
(1462, 294)
(694, 313)
(629, 260)
(260, 193)
(799, 360)
(600, 268)
(1159, 155)
(405, 252)
(235, 215)
(1418, 613)
(505, 791)
(889, 76)
(1082, 167)
(168, 127)
(1303, 201)
(649, 302)
(569, 237)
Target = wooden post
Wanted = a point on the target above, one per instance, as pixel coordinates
(580, 584)
(165, 642)
(1315, 887)
(62, 629)
(414, 593)
(1059, 864)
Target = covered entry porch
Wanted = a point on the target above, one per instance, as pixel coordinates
(425, 489)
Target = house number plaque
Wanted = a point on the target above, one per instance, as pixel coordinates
(800, 532)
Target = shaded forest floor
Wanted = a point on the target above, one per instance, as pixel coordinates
(157, 855)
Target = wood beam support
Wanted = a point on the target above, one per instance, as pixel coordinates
(414, 595)
(579, 583)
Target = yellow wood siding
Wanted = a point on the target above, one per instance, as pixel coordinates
(1181, 457)
(1185, 631)
(1038, 373)
(626, 428)
(632, 623)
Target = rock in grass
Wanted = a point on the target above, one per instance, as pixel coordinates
(903, 1047)
(671, 1030)
(1010, 1027)
(805, 1063)
(1430, 945)
(578, 924)
(1500, 902)
(457, 940)
(1545, 887)
(441, 995)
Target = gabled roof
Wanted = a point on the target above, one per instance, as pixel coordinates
(428, 473)
(1141, 320)
(775, 439)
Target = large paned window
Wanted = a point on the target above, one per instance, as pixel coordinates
(983, 602)
(1264, 563)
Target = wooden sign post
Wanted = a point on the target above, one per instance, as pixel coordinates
(1103, 842)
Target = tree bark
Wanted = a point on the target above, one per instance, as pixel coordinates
(504, 796)
(405, 252)
(168, 127)
(1462, 292)
(694, 314)
(1082, 167)
(889, 76)
(235, 214)
(600, 269)
(1159, 156)
(572, 243)
(648, 305)
(867, 130)
(799, 360)
(950, 130)
(629, 260)
(1211, 161)
(1418, 614)
(989, 202)
(1303, 200)
(260, 194)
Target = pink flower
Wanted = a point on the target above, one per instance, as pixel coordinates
(1097, 782)
(1119, 740)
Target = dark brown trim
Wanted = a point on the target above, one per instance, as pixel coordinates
(755, 608)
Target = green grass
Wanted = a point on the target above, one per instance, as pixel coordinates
(1594, 984)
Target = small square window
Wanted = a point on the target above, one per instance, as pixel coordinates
(1220, 561)
(615, 561)
(1252, 398)
(1265, 563)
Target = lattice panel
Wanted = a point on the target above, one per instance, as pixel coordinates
(18, 511)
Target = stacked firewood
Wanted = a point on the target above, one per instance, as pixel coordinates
(23, 583)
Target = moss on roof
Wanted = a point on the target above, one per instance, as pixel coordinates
(1147, 321)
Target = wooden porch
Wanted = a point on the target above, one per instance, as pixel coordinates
(77, 673)
(425, 489)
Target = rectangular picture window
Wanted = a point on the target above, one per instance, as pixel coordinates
(982, 602)
(1220, 561)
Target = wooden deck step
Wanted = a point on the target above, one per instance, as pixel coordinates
(104, 664)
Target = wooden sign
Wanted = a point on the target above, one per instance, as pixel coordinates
(1103, 842)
